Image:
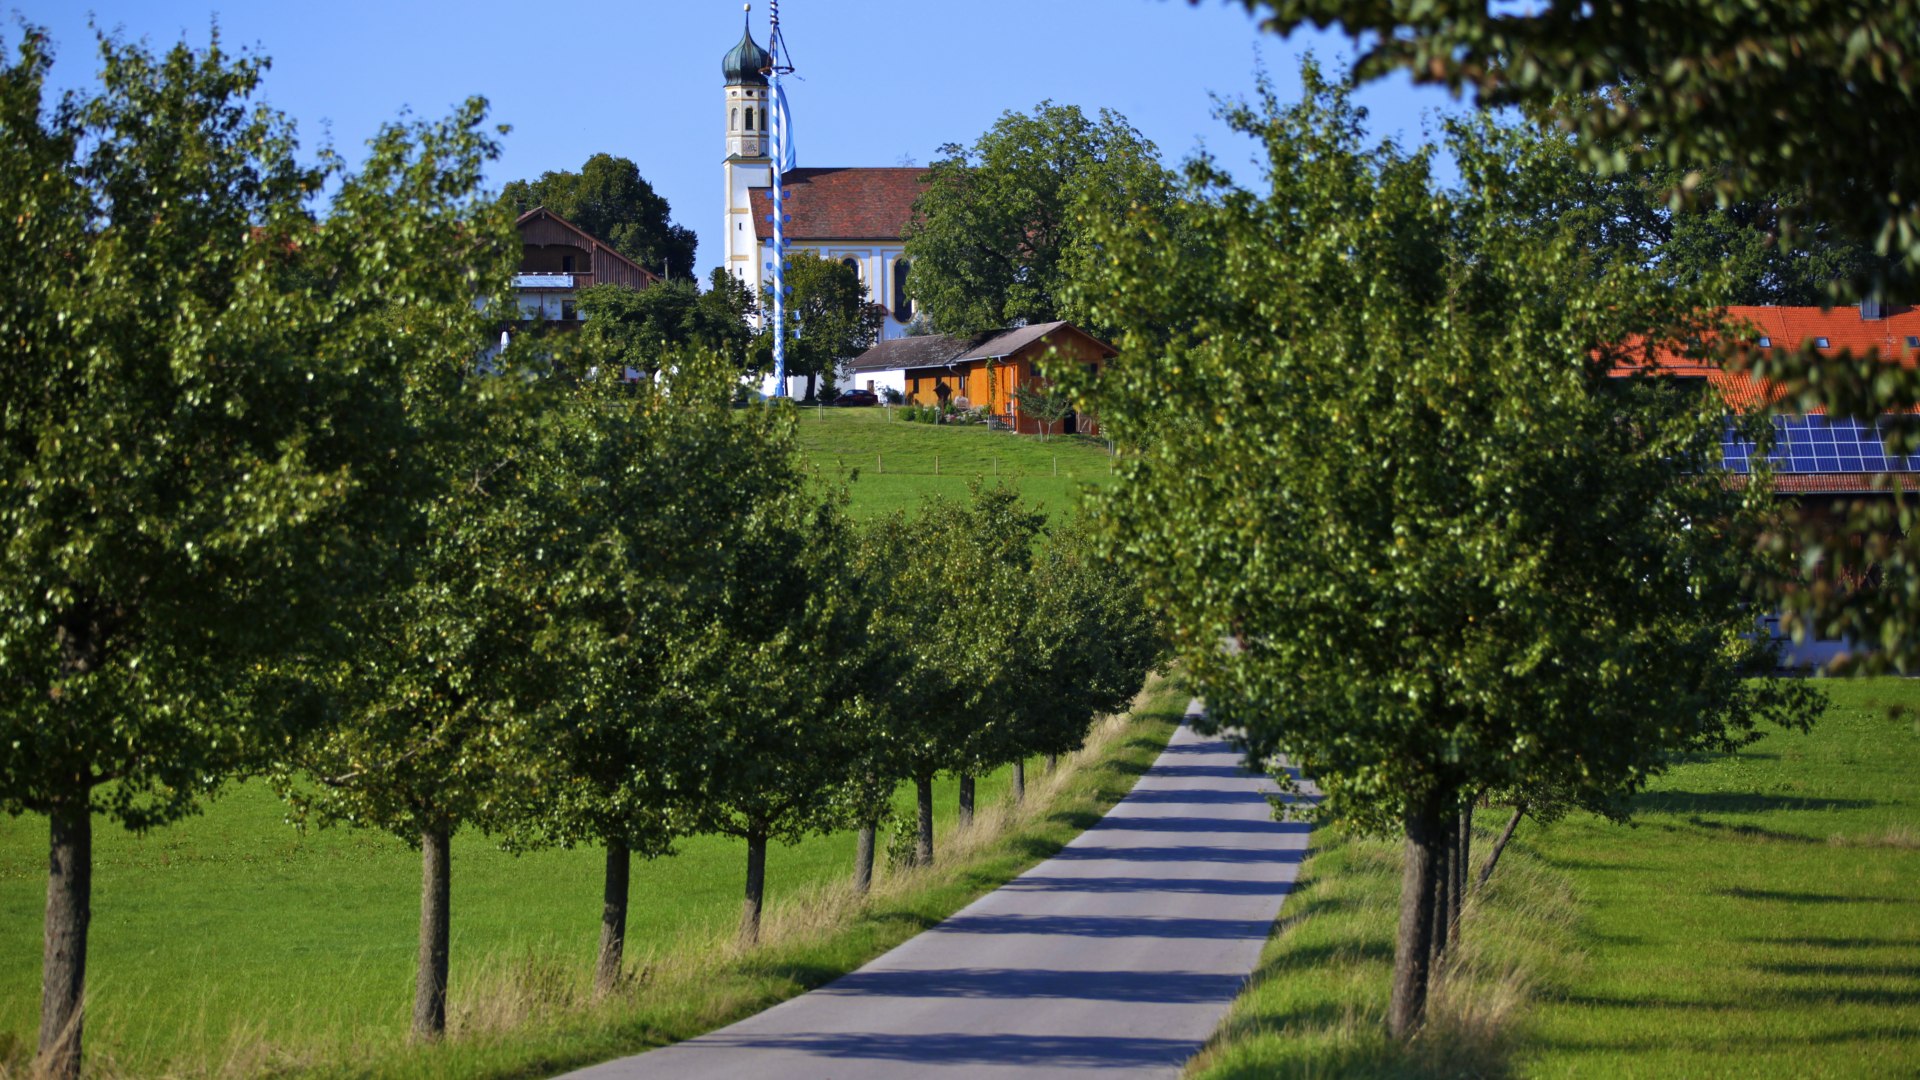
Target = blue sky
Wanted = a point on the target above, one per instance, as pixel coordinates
(879, 82)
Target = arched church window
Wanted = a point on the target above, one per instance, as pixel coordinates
(902, 303)
(749, 118)
(853, 264)
(733, 119)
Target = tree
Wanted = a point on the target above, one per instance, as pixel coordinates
(785, 716)
(208, 424)
(1769, 91)
(1001, 227)
(829, 320)
(609, 198)
(1455, 553)
(443, 694)
(641, 328)
(1044, 402)
(669, 506)
(945, 576)
(1088, 645)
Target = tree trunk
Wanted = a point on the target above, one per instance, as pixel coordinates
(430, 980)
(756, 887)
(863, 859)
(809, 396)
(613, 918)
(966, 801)
(64, 963)
(1426, 842)
(1053, 763)
(1019, 781)
(923, 837)
(1462, 862)
(1500, 845)
(1442, 904)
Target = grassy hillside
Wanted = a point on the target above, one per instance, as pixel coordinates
(231, 944)
(1761, 919)
(889, 464)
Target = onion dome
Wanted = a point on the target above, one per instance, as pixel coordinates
(743, 62)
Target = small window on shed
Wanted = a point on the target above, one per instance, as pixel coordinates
(1913, 341)
(1821, 343)
(902, 303)
(1765, 342)
(567, 310)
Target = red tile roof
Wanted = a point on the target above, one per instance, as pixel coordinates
(1786, 483)
(841, 204)
(1788, 328)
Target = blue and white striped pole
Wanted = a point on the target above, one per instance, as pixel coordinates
(779, 263)
(783, 162)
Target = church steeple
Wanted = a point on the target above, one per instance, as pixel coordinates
(746, 93)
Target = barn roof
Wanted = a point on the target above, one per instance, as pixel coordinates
(841, 204)
(1896, 336)
(939, 350)
(1811, 456)
(581, 238)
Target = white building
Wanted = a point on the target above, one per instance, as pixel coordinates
(854, 215)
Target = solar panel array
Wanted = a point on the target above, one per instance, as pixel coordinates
(1817, 444)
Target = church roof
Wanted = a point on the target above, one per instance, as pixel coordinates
(842, 204)
(743, 62)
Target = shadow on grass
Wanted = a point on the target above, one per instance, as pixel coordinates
(1751, 832)
(1845, 971)
(1838, 942)
(1784, 897)
(1738, 802)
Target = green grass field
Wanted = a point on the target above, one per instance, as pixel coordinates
(1761, 919)
(890, 464)
(231, 944)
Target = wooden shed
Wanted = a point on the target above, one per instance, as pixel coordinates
(983, 370)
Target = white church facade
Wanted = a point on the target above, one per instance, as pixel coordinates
(852, 215)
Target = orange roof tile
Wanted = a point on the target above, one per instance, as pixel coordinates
(1896, 337)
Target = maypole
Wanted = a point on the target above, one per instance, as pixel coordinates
(783, 160)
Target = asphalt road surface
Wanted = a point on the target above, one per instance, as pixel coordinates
(1118, 956)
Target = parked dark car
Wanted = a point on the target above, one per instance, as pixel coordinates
(857, 397)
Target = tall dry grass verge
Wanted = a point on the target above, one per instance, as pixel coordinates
(1316, 1006)
(531, 1011)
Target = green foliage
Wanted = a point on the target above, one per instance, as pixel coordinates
(1729, 253)
(609, 198)
(1088, 641)
(1382, 455)
(215, 410)
(642, 328)
(1002, 226)
(637, 500)
(947, 575)
(829, 320)
(1816, 99)
(442, 695)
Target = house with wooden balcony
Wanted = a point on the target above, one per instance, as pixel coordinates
(558, 259)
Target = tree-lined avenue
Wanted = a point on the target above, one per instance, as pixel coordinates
(1119, 954)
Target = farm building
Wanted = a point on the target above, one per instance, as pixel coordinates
(558, 259)
(981, 371)
(1816, 459)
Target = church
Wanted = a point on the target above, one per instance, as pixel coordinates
(854, 215)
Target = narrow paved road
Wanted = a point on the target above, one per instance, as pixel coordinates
(1119, 955)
